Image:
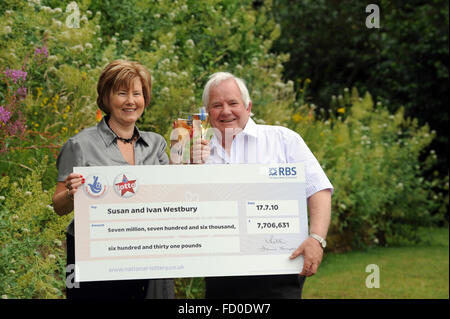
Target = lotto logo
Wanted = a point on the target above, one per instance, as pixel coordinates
(125, 185)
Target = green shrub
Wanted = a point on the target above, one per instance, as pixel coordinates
(32, 249)
(372, 158)
(181, 43)
(58, 93)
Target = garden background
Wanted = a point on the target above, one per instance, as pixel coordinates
(371, 103)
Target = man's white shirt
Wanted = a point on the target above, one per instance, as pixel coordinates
(268, 144)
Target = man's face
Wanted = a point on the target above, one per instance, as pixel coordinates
(226, 108)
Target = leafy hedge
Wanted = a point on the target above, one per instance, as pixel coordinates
(372, 158)
(49, 95)
(32, 251)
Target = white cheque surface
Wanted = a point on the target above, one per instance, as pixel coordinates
(138, 222)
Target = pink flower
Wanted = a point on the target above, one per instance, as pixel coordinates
(16, 75)
(22, 92)
(4, 115)
(41, 52)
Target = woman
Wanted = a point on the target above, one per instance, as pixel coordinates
(123, 93)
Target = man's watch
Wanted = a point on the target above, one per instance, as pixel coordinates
(322, 241)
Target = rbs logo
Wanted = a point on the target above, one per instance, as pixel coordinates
(282, 171)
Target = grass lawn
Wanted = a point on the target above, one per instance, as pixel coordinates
(410, 272)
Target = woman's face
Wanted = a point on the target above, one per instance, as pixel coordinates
(127, 106)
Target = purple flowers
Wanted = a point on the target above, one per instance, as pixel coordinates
(41, 52)
(4, 115)
(16, 75)
(21, 92)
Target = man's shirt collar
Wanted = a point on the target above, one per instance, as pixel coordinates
(250, 129)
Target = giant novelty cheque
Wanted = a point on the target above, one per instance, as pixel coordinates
(174, 221)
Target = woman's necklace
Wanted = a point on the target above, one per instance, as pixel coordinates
(128, 140)
(125, 140)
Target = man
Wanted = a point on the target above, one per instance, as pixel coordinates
(241, 140)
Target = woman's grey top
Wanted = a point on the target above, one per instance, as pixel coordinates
(97, 146)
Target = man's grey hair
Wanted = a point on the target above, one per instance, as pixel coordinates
(216, 78)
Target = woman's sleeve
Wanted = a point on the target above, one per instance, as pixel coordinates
(68, 158)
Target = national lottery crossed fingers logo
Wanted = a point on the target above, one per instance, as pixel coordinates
(96, 185)
(125, 185)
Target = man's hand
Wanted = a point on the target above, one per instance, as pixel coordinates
(312, 253)
(319, 207)
(200, 147)
(200, 151)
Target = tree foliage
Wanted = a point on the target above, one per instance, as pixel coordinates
(403, 63)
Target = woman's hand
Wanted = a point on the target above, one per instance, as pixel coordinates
(72, 182)
(63, 196)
